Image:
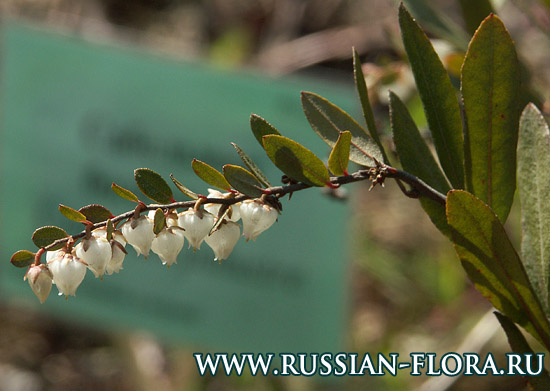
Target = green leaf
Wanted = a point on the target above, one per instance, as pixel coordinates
(520, 346)
(260, 127)
(363, 93)
(252, 166)
(22, 258)
(492, 263)
(296, 161)
(438, 98)
(123, 193)
(71, 213)
(110, 228)
(339, 156)
(534, 188)
(416, 159)
(45, 236)
(210, 175)
(328, 121)
(153, 186)
(242, 180)
(189, 193)
(96, 213)
(159, 221)
(490, 90)
(473, 13)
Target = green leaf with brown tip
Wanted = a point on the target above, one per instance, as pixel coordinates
(438, 98)
(189, 193)
(242, 180)
(153, 185)
(519, 345)
(416, 158)
(328, 121)
(339, 156)
(534, 188)
(96, 213)
(159, 221)
(296, 161)
(71, 214)
(252, 166)
(210, 175)
(492, 263)
(366, 107)
(123, 193)
(490, 90)
(45, 236)
(260, 127)
(22, 258)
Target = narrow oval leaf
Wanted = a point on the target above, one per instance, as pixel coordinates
(328, 121)
(210, 175)
(123, 193)
(252, 166)
(45, 236)
(519, 345)
(159, 221)
(366, 107)
(492, 263)
(339, 156)
(96, 213)
(416, 158)
(296, 161)
(22, 258)
(534, 188)
(183, 189)
(438, 98)
(110, 229)
(490, 90)
(71, 213)
(260, 127)
(153, 185)
(242, 180)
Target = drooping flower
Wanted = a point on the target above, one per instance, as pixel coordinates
(68, 272)
(223, 240)
(118, 252)
(40, 279)
(257, 216)
(139, 233)
(168, 244)
(197, 224)
(96, 252)
(215, 208)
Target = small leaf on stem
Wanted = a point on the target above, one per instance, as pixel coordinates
(184, 189)
(252, 166)
(210, 175)
(96, 213)
(22, 258)
(242, 180)
(339, 156)
(71, 213)
(159, 221)
(153, 185)
(123, 193)
(260, 127)
(45, 236)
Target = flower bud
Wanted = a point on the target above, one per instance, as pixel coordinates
(117, 245)
(215, 208)
(139, 233)
(68, 272)
(224, 239)
(40, 280)
(257, 216)
(96, 252)
(167, 245)
(197, 224)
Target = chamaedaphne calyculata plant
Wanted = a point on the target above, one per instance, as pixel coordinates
(483, 142)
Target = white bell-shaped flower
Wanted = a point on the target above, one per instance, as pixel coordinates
(40, 279)
(197, 224)
(215, 208)
(223, 240)
(257, 216)
(139, 233)
(117, 246)
(168, 244)
(96, 252)
(68, 272)
(50, 255)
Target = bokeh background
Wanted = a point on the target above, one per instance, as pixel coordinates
(407, 290)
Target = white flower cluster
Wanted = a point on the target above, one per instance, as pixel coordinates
(66, 269)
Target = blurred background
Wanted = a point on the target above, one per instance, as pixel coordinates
(404, 288)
